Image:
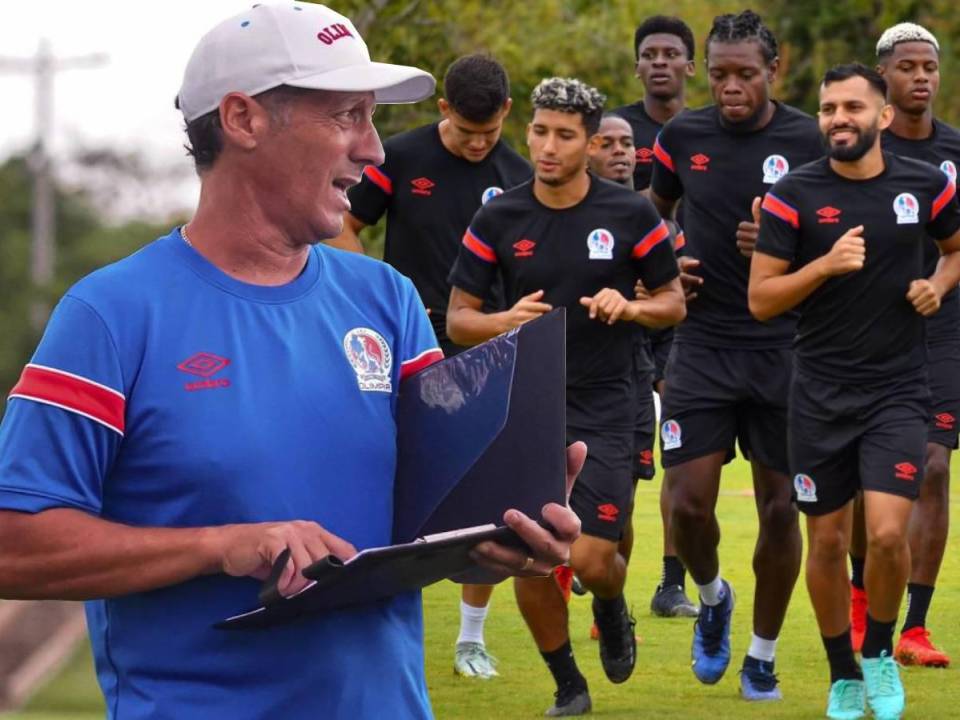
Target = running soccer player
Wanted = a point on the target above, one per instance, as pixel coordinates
(727, 375)
(844, 239)
(433, 180)
(908, 58)
(567, 239)
(664, 49)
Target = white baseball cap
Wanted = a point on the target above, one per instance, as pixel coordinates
(291, 43)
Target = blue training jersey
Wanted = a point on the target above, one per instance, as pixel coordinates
(166, 393)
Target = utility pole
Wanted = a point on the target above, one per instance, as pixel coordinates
(43, 66)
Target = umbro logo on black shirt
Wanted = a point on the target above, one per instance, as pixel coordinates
(828, 215)
(644, 155)
(422, 186)
(524, 248)
(700, 162)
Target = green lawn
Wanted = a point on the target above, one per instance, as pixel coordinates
(662, 683)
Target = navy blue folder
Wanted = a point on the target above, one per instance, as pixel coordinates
(477, 434)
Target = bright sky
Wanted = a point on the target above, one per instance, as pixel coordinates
(127, 103)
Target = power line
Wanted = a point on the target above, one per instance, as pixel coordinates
(44, 66)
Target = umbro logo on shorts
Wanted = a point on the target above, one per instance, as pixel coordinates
(945, 421)
(607, 512)
(905, 471)
(646, 457)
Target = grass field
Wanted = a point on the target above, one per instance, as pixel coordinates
(662, 684)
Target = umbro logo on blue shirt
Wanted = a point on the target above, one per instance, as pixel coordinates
(205, 365)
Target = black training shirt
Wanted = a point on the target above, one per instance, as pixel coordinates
(608, 240)
(942, 149)
(429, 195)
(645, 131)
(860, 327)
(718, 172)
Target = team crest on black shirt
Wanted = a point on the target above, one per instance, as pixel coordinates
(907, 208)
(370, 357)
(949, 169)
(600, 244)
(774, 168)
(489, 194)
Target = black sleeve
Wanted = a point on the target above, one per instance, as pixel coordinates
(779, 223)
(945, 215)
(370, 199)
(653, 252)
(665, 182)
(475, 269)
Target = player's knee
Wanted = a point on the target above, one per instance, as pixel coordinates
(936, 476)
(887, 539)
(827, 548)
(688, 511)
(779, 520)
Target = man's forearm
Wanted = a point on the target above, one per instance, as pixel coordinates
(661, 310)
(772, 296)
(947, 275)
(469, 327)
(70, 555)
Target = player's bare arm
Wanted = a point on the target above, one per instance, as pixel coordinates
(773, 291)
(468, 325)
(661, 308)
(71, 555)
(349, 237)
(925, 294)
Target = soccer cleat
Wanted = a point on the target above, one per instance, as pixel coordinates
(881, 676)
(672, 601)
(563, 574)
(594, 632)
(858, 617)
(915, 648)
(570, 700)
(618, 644)
(848, 700)
(471, 659)
(711, 639)
(758, 683)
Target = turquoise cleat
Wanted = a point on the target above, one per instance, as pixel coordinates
(848, 700)
(884, 690)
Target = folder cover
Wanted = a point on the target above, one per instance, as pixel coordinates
(477, 434)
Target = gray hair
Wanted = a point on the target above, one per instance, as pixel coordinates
(901, 33)
(570, 95)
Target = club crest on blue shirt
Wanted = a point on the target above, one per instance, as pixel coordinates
(907, 208)
(600, 244)
(489, 194)
(371, 359)
(805, 487)
(671, 436)
(774, 168)
(949, 169)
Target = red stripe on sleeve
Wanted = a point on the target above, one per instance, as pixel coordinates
(650, 240)
(73, 393)
(663, 156)
(945, 196)
(379, 178)
(479, 248)
(775, 206)
(420, 362)
(680, 242)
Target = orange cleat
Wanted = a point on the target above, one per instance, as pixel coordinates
(594, 632)
(563, 574)
(858, 617)
(915, 648)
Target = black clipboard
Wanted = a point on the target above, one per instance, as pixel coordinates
(478, 434)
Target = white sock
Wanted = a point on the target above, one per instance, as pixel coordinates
(471, 623)
(712, 593)
(762, 649)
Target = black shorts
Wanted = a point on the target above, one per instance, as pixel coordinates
(603, 493)
(645, 425)
(660, 343)
(716, 397)
(943, 371)
(844, 438)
